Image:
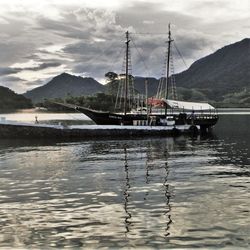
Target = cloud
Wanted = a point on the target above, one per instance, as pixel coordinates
(7, 71)
(87, 37)
(43, 66)
(13, 82)
(7, 79)
(15, 70)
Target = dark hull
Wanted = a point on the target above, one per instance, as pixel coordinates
(109, 118)
(205, 121)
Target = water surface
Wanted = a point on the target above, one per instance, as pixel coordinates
(154, 193)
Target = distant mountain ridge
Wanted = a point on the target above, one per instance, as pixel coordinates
(64, 85)
(221, 77)
(226, 71)
(152, 85)
(9, 100)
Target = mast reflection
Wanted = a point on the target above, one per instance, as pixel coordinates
(126, 192)
(168, 196)
(153, 177)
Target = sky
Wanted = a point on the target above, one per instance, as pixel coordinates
(40, 39)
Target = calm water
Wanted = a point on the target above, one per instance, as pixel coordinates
(30, 115)
(153, 193)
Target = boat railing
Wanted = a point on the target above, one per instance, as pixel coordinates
(205, 116)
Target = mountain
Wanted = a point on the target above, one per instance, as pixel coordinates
(222, 78)
(9, 100)
(64, 85)
(221, 74)
(139, 83)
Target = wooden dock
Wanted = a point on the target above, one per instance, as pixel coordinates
(9, 129)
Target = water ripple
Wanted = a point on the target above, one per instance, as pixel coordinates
(155, 193)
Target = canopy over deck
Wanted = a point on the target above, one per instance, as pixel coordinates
(192, 106)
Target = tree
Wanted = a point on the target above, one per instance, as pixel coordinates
(111, 76)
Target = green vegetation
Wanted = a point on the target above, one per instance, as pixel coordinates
(9, 100)
(240, 99)
(237, 99)
(106, 101)
(100, 101)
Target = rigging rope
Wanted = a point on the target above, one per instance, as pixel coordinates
(141, 57)
(115, 61)
(179, 53)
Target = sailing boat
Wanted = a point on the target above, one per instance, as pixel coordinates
(175, 112)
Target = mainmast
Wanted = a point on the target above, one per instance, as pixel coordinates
(126, 73)
(168, 60)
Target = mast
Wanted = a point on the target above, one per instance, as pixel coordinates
(146, 90)
(126, 72)
(168, 59)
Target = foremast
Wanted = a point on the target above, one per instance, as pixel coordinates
(126, 74)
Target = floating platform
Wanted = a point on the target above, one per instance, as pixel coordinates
(10, 129)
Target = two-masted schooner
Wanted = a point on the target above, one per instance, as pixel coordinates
(158, 111)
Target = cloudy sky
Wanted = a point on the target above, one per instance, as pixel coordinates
(40, 39)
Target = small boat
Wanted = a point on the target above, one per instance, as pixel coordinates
(157, 111)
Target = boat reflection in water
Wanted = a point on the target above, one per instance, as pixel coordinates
(141, 200)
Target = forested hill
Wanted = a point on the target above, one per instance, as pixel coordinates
(64, 85)
(222, 75)
(9, 100)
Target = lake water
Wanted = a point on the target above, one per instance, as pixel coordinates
(154, 193)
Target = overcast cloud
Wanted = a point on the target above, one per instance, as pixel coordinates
(41, 39)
